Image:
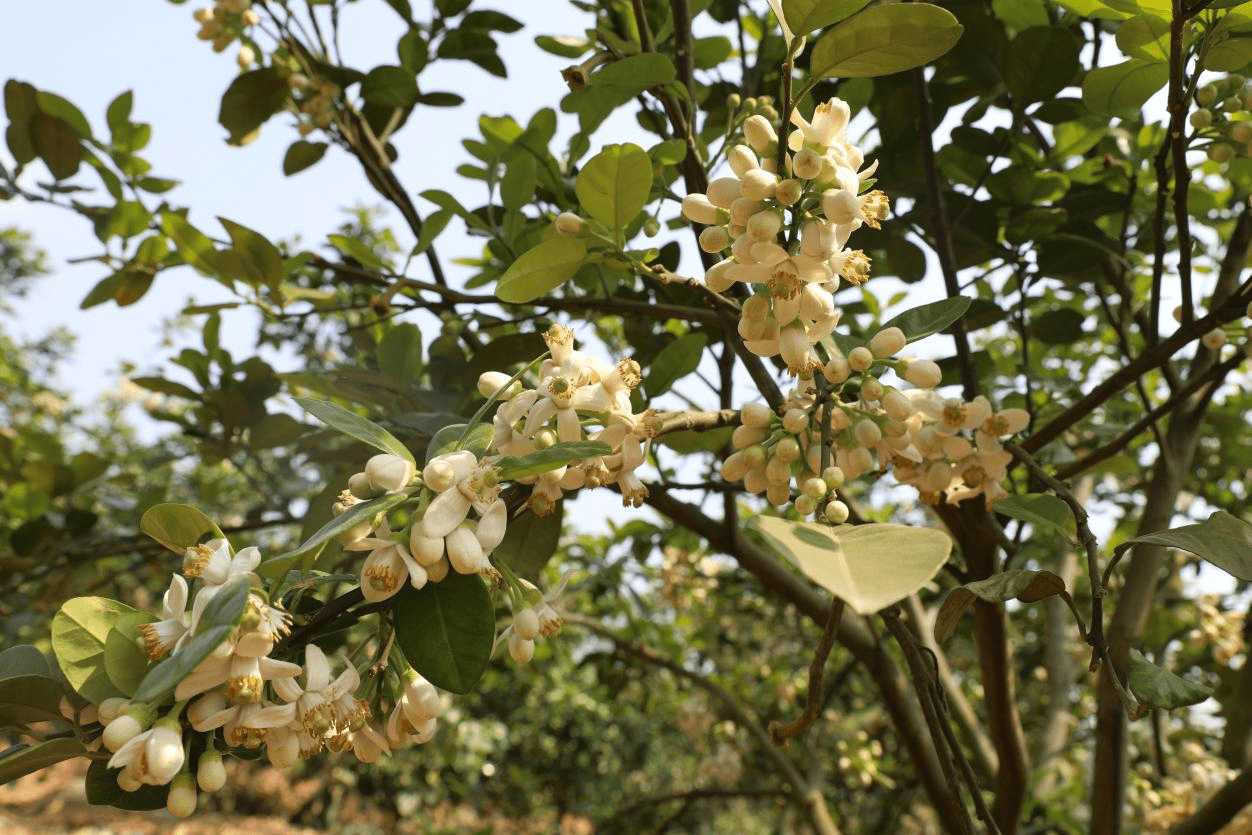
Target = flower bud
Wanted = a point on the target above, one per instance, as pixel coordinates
(805, 505)
(492, 384)
(755, 457)
(359, 486)
(1221, 152)
(787, 450)
(1201, 118)
(860, 359)
(436, 571)
(867, 432)
(923, 373)
(764, 226)
(777, 494)
(124, 728)
(734, 467)
(181, 801)
(837, 512)
(465, 553)
(164, 751)
(836, 370)
(698, 209)
(210, 772)
(111, 708)
(887, 342)
(759, 133)
(745, 436)
(796, 421)
(806, 164)
(741, 160)
(756, 415)
(722, 192)
(815, 488)
(789, 192)
(388, 472)
(520, 649)
(714, 239)
(570, 225)
(833, 476)
(526, 624)
(897, 405)
(871, 390)
(759, 184)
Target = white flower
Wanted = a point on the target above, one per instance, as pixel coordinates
(317, 703)
(164, 635)
(388, 565)
(155, 756)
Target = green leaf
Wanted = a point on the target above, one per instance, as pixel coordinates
(103, 790)
(540, 269)
(193, 245)
(388, 86)
(546, 460)
(24, 759)
(449, 439)
(355, 426)
(1156, 8)
(26, 501)
(530, 541)
(673, 362)
(691, 441)
(1123, 88)
(1021, 14)
(275, 430)
(301, 155)
(869, 566)
(399, 353)
(217, 622)
(21, 105)
(1222, 539)
(57, 144)
(446, 630)
(1027, 188)
(178, 526)
(615, 84)
(64, 109)
(125, 657)
(279, 565)
(804, 16)
(29, 698)
(1018, 584)
(1228, 54)
(924, 320)
(1039, 509)
(260, 260)
(1155, 687)
(79, 631)
(1144, 37)
(23, 660)
(251, 99)
(117, 116)
(1040, 63)
(614, 185)
(1062, 326)
(885, 39)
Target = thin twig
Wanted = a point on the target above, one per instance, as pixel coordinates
(781, 733)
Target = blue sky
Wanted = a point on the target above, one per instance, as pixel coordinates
(90, 52)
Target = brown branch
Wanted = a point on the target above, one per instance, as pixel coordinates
(780, 733)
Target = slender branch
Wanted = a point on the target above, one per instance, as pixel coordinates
(923, 684)
(1095, 632)
(780, 733)
(1153, 357)
(1213, 375)
(1182, 172)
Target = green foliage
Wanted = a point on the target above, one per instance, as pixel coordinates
(446, 630)
(885, 39)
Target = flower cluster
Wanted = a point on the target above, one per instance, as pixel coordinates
(225, 21)
(915, 433)
(254, 699)
(747, 214)
(579, 397)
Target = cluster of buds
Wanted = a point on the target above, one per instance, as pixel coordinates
(1167, 802)
(315, 100)
(1219, 628)
(755, 213)
(253, 699)
(1222, 118)
(915, 433)
(225, 21)
(579, 397)
(531, 622)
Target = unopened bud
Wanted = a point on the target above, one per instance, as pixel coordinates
(570, 225)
